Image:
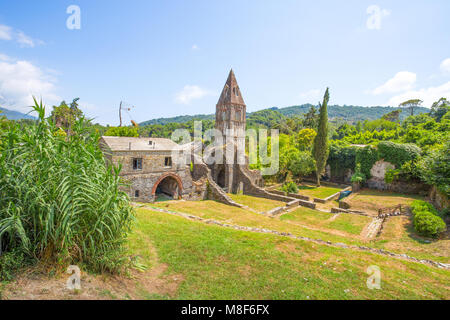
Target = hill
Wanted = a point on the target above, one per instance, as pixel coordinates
(14, 115)
(346, 113)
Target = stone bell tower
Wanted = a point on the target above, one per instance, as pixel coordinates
(231, 111)
(230, 121)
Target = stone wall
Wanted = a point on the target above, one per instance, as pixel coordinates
(152, 173)
(439, 200)
(377, 182)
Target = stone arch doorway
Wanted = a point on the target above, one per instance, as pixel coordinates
(221, 177)
(169, 186)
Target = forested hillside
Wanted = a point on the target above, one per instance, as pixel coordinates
(14, 115)
(346, 113)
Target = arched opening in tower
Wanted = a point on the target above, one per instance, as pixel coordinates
(221, 177)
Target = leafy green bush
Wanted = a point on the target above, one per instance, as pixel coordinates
(434, 169)
(290, 187)
(10, 264)
(398, 153)
(366, 158)
(420, 205)
(59, 202)
(341, 158)
(427, 221)
(428, 224)
(391, 175)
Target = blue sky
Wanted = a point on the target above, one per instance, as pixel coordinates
(172, 58)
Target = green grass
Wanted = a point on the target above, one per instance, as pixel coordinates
(352, 224)
(321, 192)
(220, 263)
(372, 200)
(258, 204)
(307, 215)
(312, 223)
(214, 210)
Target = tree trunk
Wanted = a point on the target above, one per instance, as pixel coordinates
(318, 178)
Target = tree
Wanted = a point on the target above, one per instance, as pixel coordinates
(300, 163)
(393, 116)
(435, 168)
(305, 139)
(411, 105)
(310, 118)
(64, 116)
(122, 132)
(320, 148)
(440, 108)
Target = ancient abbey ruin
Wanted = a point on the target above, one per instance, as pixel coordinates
(154, 167)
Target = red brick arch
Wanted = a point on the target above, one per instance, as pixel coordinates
(173, 175)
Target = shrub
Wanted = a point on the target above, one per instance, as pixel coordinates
(290, 187)
(341, 158)
(427, 221)
(59, 201)
(10, 263)
(397, 153)
(366, 158)
(420, 205)
(358, 177)
(391, 175)
(428, 224)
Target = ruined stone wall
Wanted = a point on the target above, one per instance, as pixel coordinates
(440, 200)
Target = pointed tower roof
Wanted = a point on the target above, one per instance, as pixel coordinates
(231, 94)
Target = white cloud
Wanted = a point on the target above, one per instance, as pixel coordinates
(190, 93)
(445, 66)
(310, 95)
(20, 80)
(7, 33)
(376, 15)
(402, 81)
(427, 95)
(4, 57)
(195, 47)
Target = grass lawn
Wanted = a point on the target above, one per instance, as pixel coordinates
(399, 235)
(220, 263)
(258, 204)
(372, 200)
(352, 224)
(312, 223)
(313, 191)
(214, 210)
(303, 214)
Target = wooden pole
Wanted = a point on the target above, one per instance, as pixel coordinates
(120, 114)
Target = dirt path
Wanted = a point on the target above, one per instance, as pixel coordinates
(318, 241)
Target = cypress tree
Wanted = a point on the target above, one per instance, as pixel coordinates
(320, 147)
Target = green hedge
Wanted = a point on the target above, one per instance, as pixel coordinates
(397, 153)
(427, 221)
(290, 187)
(341, 158)
(366, 158)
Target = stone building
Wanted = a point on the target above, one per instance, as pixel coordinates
(149, 167)
(153, 169)
(230, 121)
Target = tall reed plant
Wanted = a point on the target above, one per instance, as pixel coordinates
(60, 202)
